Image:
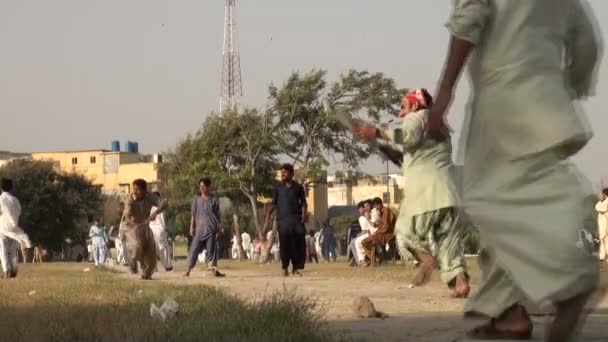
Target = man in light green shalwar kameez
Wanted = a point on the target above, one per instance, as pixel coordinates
(529, 61)
(430, 211)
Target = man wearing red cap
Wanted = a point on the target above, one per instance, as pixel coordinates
(431, 200)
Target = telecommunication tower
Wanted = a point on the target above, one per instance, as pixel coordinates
(231, 86)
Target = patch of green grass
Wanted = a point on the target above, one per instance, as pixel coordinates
(71, 305)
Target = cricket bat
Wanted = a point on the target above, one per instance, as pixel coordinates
(386, 150)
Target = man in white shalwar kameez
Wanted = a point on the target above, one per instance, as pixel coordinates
(529, 61)
(602, 221)
(247, 245)
(11, 235)
(160, 237)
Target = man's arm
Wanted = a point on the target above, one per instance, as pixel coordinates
(192, 217)
(304, 204)
(273, 205)
(216, 212)
(466, 26)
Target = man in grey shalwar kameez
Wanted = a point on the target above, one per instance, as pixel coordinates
(518, 185)
(204, 228)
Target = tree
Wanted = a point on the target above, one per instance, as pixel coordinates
(305, 109)
(233, 149)
(55, 205)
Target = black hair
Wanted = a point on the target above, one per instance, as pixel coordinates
(377, 201)
(605, 191)
(7, 185)
(140, 183)
(287, 167)
(205, 180)
(369, 201)
(156, 193)
(361, 204)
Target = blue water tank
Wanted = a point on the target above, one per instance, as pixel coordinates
(129, 147)
(135, 147)
(115, 146)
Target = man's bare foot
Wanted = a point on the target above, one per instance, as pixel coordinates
(425, 269)
(187, 274)
(462, 287)
(285, 273)
(295, 272)
(513, 324)
(568, 318)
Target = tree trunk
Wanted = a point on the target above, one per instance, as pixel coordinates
(259, 226)
(237, 233)
(270, 242)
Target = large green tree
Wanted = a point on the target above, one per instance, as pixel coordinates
(236, 151)
(55, 205)
(305, 108)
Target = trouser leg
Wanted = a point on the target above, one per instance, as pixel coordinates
(4, 254)
(604, 248)
(212, 251)
(196, 248)
(148, 253)
(300, 255)
(162, 246)
(96, 255)
(448, 235)
(103, 253)
(286, 248)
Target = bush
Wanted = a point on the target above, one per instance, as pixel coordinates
(55, 205)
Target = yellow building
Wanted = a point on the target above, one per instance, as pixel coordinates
(112, 171)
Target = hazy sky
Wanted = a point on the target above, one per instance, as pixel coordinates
(76, 74)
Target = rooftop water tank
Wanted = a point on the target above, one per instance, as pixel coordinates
(115, 146)
(135, 147)
(130, 147)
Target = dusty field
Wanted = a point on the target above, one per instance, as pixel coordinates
(422, 314)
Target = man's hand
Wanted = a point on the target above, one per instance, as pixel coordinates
(192, 231)
(436, 127)
(304, 217)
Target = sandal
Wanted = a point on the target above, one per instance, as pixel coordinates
(489, 332)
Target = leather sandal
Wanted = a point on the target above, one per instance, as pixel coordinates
(489, 331)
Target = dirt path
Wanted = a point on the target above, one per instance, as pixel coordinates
(421, 314)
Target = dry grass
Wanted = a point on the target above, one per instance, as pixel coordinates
(386, 272)
(71, 305)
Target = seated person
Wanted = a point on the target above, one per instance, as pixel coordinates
(386, 229)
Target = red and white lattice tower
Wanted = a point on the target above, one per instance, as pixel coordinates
(231, 86)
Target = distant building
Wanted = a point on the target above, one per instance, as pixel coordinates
(112, 171)
(351, 189)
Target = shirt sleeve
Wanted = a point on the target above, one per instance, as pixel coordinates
(216, 209)
(193, 207)
(303, 196)
(275, 197)
(468, 19)
(412, 130)
(582, 50)
(602, 207)
(10, 209)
